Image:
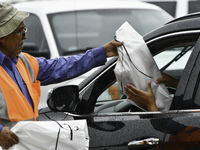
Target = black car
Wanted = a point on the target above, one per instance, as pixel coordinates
(115, 124)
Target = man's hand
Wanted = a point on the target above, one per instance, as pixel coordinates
(7, 138)
(111, 48)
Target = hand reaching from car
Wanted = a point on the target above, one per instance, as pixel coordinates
(7, 138)
(145, 99)
(111, 48)
(168, 80)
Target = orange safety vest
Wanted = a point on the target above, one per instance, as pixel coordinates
(13, 104)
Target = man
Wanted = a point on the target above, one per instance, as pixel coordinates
(21, 74)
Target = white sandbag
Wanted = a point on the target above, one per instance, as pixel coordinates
(136, 66)
(51, 135)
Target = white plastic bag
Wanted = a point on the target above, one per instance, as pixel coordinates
(136, 66)
(51, 135)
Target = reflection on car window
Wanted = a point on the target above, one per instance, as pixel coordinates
(91, 28)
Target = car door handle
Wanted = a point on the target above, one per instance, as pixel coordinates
(144, 143)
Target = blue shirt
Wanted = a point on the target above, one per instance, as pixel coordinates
(55, 70)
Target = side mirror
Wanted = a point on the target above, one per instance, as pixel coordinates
(63, 99)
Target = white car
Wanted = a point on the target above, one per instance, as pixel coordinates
(61, 28)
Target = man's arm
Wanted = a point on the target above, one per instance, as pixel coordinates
(64, 68)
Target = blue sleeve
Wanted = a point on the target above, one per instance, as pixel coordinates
(64, 68)
(1, 127)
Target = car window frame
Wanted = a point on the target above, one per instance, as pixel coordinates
(150, 45)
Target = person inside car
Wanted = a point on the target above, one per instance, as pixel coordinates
(22, 74)
(146, 99)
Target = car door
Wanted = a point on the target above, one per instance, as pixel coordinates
(184, 128)
(114, 123)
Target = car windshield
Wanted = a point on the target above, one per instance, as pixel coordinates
(81, 30)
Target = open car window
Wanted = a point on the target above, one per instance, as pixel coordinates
(173, 59)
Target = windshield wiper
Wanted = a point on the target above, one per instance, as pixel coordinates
(177, 57)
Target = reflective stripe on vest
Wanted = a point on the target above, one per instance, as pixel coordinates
(13, 104)
(28, 66)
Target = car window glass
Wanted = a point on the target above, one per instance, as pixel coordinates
(177, 66)
(193, 6)
(80, 33)
(36, 41)
(113, 93)
(168, 6)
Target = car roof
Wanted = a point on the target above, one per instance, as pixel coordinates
(185, 23)
(188, 16)
(71, 5)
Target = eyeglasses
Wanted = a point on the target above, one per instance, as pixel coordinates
(23, 32)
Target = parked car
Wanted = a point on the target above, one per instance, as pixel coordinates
(118, 125)
(60, 28)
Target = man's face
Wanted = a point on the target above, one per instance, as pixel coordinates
(11, 45)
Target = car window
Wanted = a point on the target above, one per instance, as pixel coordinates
(193, 6)
(36, 43)
(80, 33)
(175, 56)
(112, 93)
(168, 6)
